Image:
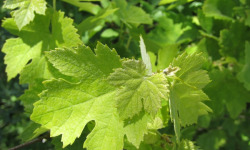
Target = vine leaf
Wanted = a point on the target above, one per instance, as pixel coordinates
(131, 14)
(219, 9)
(85, 6)
(233, 95)
(24, 10)
(145, 56)
(186, 95)
(82, 62)
(65, 108)
(136, 128)
(33, 40)
(243, 75)
(139, 97)
(138, 91)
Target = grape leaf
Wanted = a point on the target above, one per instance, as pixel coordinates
(137, 86)
(212, 140)
(145, 56)
(31, 96)
(77, 145)
(232, 93)
(247, 20)
(24, 10)
(136, 127)
(163, 2)
(165, 33)
(31, 131)
(33, 40)
(65, 108)
(85, 6)
(186, 96)
(166, 55)
(132, 14)
(108, 33)
(236, 48)
(205, 22)
(187, 145)
(219, 9)
(93, 21)
(244, 74)
(82, 63)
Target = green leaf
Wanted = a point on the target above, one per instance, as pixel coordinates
(188, 64)
(244, 74)
(136, 127)
(163, 2)
(219, 9)
(31, 96)
(247, 20)
(91, 22)
(205, 22)
(187, 145)
(166, 55)
(32, 131)
(33, 40)
(132, 14)
(85, 6)
(24, 10)
(65, 108)
(58, 145)
(145, 56)
(210, 46)
(108, 33)
(139, 91)
(81, 62)
(165, 33)
(153, 61)
(232, 93)
(186, 96)
(212, 140)
(236, 48)
(17, 59)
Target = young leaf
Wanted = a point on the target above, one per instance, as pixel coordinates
(65, 108)
(137, 86)
(136, 128)
(33, 40)
(83, 63)
(24, 10)
(186, 96)
(187, 145)
(145, 56)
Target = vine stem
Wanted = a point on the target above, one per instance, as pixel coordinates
(39, 139)
(54, 5)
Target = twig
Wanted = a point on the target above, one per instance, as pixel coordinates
(46, 136)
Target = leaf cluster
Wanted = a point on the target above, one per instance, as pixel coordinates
(179, 72)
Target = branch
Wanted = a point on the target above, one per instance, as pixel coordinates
(39, 139)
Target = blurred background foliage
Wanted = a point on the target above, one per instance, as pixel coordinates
(220, 29)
